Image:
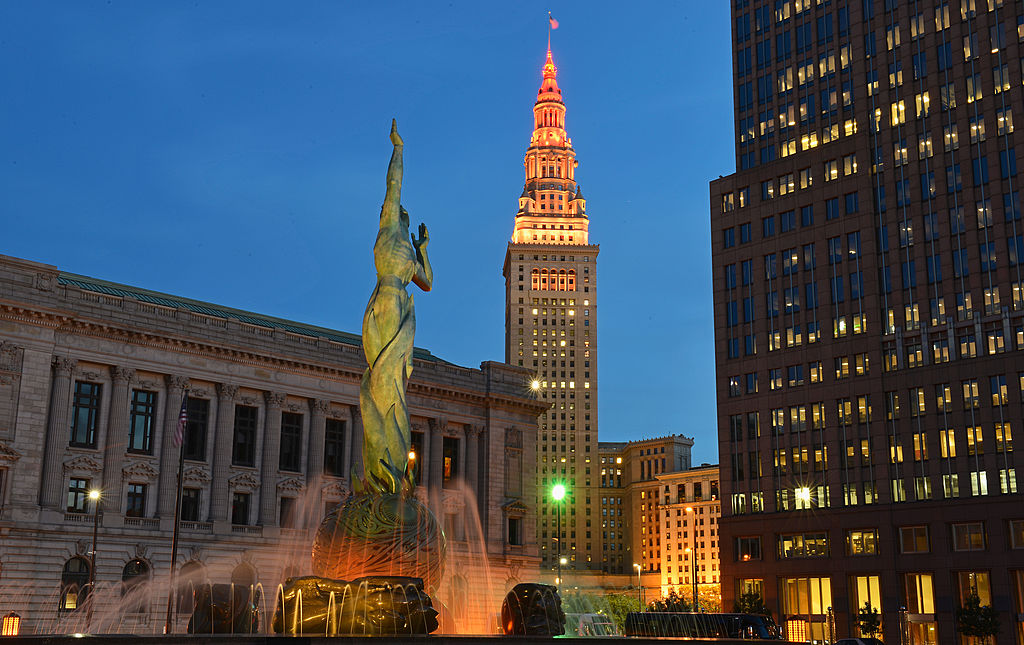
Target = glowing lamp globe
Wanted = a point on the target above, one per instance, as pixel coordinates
(558, 492)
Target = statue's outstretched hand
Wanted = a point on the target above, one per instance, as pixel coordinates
(396, 139)
(424, 238)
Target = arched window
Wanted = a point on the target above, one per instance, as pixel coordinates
(134, 577)
(190, 576)
(74, 584)
(244, 574)
(561, 280)
(572, 278)
(543, 279)
(535, 279)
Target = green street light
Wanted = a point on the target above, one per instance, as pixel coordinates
(558, 494)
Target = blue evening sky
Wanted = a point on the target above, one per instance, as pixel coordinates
(235, 152)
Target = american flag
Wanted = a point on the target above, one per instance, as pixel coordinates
(179, 430)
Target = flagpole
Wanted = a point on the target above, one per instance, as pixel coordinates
(182, 417)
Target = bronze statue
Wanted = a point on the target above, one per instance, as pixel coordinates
(383, 530)
(389, 325)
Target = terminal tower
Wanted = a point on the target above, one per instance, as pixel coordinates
(551, 328)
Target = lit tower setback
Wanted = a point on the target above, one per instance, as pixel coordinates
(551, 328)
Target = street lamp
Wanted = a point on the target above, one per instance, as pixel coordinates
(558, 494)
(94, 495)
(639, 587)
(693, 568)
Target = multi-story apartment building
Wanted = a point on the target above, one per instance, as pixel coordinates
(869, 313)
(92, 376)
(551, 329)
(689, 513)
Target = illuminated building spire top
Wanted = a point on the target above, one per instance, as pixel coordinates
(551, 209)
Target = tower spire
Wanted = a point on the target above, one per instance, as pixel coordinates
(551, 210)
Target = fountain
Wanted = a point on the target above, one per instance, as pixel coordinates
(382, 534)
(377, 558)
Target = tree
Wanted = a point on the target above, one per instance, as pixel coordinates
(869, 621)
(752, 603)
(619, 606)
(672, 602)
(975, 619)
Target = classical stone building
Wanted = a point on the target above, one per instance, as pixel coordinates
(869, 315)
(92, 377)
(688, 510)
(551, 328)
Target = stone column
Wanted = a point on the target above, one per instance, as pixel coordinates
(437, 428)
(117, 437)
(168, 486)
(425, 457)
(354, 446)
(223, 437)
(58, 434)
(472, 467)
(271, 458)
(317, 431)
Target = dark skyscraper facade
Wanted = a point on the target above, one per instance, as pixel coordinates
(869, 315)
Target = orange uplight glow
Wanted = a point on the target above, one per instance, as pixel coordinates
(11, 625)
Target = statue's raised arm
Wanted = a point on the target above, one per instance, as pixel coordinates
(389, 326)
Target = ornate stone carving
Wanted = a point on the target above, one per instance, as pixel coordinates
(248, 400)
(320, 406)
(64, 365)
(44, 281)
(10, 357)
(227, 391)
(513, 438)
(148, 385)
(82, 464)
(90, 375)
(139, 471)
(274, 399)
(292, 485)
(474, 431)
(195, 554)
(196, 475)
(177, 382)
(81, 547)
(452, 502)
(440, 424)
(244, 481)
(515, 508)
(141, 550)
(293, 406)
(121, 374)
(8, 454)
(336, 491)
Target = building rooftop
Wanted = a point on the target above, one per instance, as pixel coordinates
(208, 309)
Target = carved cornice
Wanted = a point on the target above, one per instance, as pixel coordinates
(177, 381)
(227, 391)
(244, 481)
(336, 490)
(9, 454)
(140, 471)
(319, 406)
(274, 399)
(82, 464)
(292, 485)
(64, 365)
(515, 508)
(10, 357)
(120, 374)
(196, 475)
